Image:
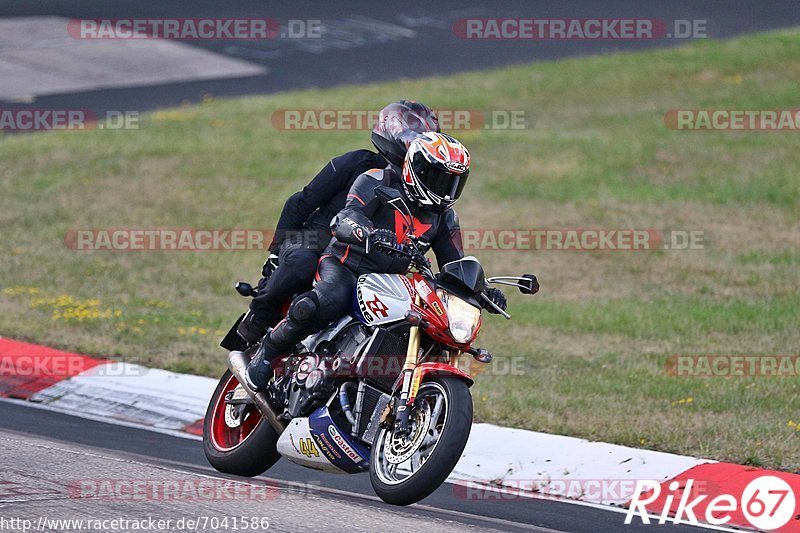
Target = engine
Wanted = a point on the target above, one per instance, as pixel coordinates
(366, 360)
(309, 378)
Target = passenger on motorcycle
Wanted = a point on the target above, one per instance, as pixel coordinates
(303, 228)
(431, 179)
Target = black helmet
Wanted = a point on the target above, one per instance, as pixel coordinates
(398, 124)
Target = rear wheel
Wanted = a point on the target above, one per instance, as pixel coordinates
(236, 438)
(404, 470)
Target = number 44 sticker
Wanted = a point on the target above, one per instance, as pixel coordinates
(308, 447)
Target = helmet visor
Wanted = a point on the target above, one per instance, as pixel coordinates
(443, 183)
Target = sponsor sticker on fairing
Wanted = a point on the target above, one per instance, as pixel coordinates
(423, 289)
(343, 445)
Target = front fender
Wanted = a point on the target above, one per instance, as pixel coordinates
(425, 369)
(442, 369)
(436, 369)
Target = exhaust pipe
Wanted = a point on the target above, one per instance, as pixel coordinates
(237, 364)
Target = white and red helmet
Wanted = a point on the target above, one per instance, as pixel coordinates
(435, 171)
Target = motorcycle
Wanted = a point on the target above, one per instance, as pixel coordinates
(380, 390)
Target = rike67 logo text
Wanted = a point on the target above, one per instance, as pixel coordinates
(766, 503)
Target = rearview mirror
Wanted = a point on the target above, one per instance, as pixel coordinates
(245, 289)
(528, 284)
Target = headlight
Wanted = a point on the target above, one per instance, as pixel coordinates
(464, 318)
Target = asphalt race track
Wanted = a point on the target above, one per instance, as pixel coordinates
(417, 40)
(45, 454)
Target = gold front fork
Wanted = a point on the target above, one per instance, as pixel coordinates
(411, 379)
(412, 354)
(454, 355)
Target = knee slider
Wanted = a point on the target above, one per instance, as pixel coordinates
(304, 308)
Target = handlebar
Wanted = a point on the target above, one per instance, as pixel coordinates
(499, 309)
(411, 248)
(414, 249)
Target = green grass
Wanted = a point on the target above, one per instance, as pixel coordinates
(588, 353)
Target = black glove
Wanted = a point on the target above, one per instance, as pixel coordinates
(262, 283)
(269, 265)
(266, 271)
(383, 236)
(498, 298)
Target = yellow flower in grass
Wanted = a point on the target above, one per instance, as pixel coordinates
(194, 330)
(20, 290)
(683, 401)
(68, 308)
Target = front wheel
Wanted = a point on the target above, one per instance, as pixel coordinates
(236, 438)
(404, 470)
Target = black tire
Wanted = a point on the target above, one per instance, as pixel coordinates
(445, 455)
(254, 455)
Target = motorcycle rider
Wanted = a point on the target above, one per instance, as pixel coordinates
(432, 178)
(303, 228)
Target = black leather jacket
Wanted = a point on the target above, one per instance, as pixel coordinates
(364, 212)
(313, 208)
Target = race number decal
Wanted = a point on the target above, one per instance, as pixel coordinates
(308, 447)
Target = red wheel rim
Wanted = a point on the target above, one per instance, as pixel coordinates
(223, 437)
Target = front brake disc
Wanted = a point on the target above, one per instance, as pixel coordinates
(236, 406)
(399, 449)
